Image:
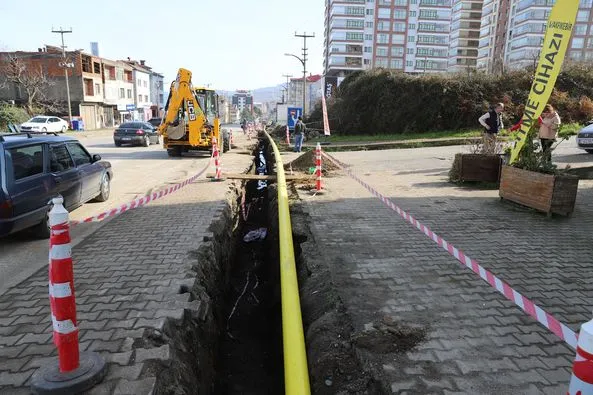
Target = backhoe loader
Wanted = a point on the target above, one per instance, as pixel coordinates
(191, 119)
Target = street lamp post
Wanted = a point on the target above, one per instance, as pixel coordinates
(66, 66)
(304, 63)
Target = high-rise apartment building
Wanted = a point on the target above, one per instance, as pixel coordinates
(419, 36)
(466, 18)
(513, 32)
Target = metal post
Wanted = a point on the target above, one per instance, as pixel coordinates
(287, 87)
(62, 32)
(304, 36)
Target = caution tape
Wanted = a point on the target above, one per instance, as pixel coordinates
(536, 312)
(141, 201)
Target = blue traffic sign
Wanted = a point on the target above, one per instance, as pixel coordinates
(130, 107)
(293, 115)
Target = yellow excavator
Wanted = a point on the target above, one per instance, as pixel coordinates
(191, 118)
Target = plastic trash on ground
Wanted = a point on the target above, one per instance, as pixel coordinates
(257, 234)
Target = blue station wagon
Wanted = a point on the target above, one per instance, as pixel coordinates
(36, 167)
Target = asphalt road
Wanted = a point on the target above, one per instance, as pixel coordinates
(137, 171)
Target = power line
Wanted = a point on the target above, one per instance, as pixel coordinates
(304, 36)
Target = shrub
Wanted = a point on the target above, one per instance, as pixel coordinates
(11, 114)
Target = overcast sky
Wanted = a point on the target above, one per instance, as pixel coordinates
(232, 44)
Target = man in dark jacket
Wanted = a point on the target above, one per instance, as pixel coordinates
(492, 123)
(299, 134)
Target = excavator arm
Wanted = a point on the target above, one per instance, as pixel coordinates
(183, 109)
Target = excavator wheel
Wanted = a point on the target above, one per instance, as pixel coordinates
(173, 152)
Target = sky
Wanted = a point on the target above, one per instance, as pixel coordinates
(232, 44)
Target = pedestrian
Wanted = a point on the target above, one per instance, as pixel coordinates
(548, 130)
(492, 123)
(299, 134)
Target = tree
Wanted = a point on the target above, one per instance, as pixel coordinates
(257, 112)
(247, 115)
(33, 82)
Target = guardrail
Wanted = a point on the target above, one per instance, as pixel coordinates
(296, 373)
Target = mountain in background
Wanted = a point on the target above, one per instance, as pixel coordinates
(261, 95)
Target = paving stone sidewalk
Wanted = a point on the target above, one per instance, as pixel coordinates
(128, 278)
(477, 342)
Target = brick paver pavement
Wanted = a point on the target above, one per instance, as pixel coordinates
(128, 277)
(385, 270)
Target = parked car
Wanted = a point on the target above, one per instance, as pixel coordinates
(44, 123)
(585, 138)
(155, 122)
(136, 133)
(35, 168)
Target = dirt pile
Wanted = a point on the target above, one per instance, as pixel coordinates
(307, 160)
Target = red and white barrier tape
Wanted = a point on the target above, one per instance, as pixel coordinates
(141, 201)
(544, 318)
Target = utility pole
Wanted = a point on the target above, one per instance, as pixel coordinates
(304, 36)
(62, 32)
(287, 87)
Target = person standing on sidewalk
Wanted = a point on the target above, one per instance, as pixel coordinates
(299, 134)
(492, 123)
(548, 130)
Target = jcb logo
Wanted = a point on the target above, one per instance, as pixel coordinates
(191, 110)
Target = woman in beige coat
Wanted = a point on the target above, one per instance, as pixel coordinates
(548, 130)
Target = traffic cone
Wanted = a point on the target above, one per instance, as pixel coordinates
(318, 167)
(581, 382)
(287, 136)
(231, 139)
(217, 161)
(73, 371)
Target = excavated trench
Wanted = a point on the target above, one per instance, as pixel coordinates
(250, 352)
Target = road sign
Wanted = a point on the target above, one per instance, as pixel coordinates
(130, 107)
(293, 115)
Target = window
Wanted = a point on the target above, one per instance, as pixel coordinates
(139, 82)
(370, 11)
(384, 13)
(354, 36)
(367, 61)
(578, 43)
(411, 39)
(352, 23)
(580, 30)
(401, 2)
(396, 64)
(97, 68)
(368, 49)
(409, 63)
(412, 26)
(60, 159)
(139, 98)
(129, 94)
(583, 16)
(397, 51)
(368, 37)
(161, 98)
(122, 93)
(382, 25)
(79, 154)
(410, 51)
(146, 98)
(369, 24)
(381, 62)
(413, 14)
(145, 83)
(354, 11)
(27, 161)
(382, 38)
(399, 27)
(400, 14)
(381, 51)
(398, 39)
(97, 89)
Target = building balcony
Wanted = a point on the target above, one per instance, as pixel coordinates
(524, 4)
(435, 3)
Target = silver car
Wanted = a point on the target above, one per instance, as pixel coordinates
(585, 138)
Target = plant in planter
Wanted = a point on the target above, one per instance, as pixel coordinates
(477, 166)
(535, 182)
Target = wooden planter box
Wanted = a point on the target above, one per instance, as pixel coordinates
(478, 167)
(552, 194)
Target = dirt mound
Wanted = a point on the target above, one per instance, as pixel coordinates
(307, 160)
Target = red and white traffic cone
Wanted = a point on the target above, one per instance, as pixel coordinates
(287, 136)
(581, 382)
(217, 161)
(73, 370)
(231, 139)
(318, 168)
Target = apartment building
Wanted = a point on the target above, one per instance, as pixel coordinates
(314, 90)
(348, 36)
(242, 100)
(466, 18)
(513, 32)
(428, 42)
(118, 92)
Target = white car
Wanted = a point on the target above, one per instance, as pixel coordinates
(585, 138)
(45, 124)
